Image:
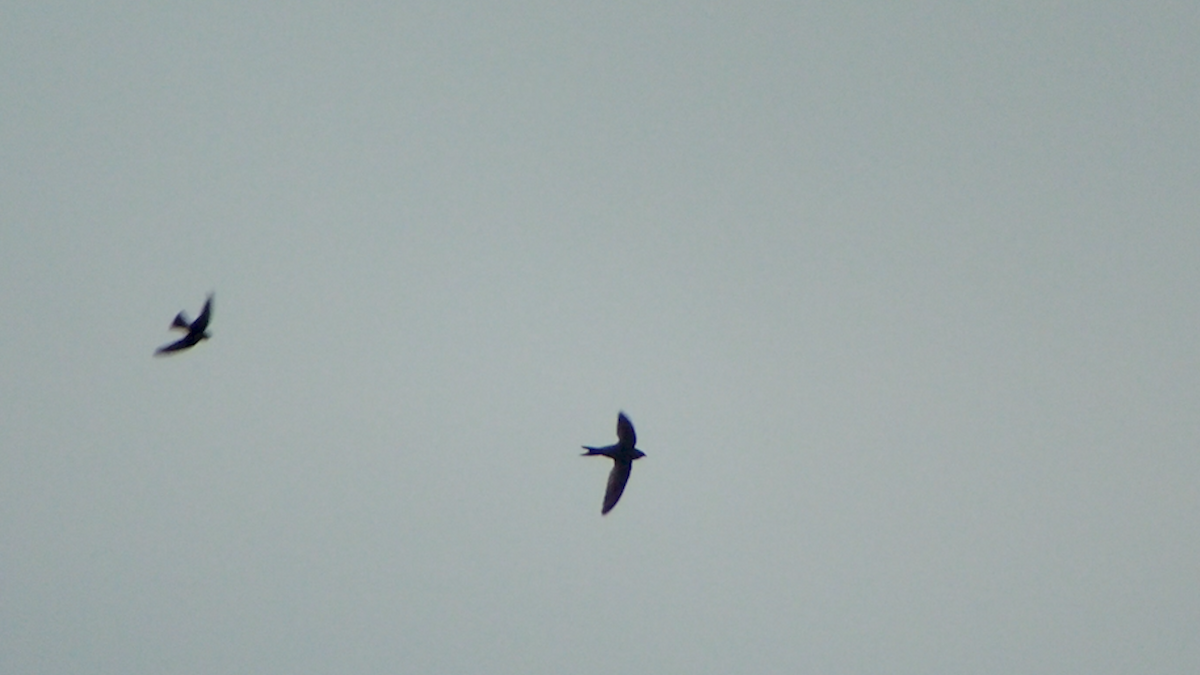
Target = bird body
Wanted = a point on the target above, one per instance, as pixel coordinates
(622, 453)
(195, 330)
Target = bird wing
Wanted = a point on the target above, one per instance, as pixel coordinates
(184, 342)
(205, 314)
(625, 432)
(617, 478)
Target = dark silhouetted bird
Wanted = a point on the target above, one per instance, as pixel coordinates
(196, 330)
(622, 454)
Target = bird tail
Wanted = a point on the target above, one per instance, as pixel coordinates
(592, 451)
(181, 322)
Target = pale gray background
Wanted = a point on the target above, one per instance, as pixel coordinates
(902, 298)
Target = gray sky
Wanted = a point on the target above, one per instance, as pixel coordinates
(902, 298)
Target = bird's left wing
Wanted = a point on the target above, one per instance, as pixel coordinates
(184, 342)
(617, 479)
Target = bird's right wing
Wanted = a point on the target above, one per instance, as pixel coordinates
(625, 432)
(617, 479)
(205, 314)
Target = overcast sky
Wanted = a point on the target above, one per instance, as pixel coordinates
(902, 298)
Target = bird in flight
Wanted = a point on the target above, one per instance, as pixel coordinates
(196, 330)
(622, 453)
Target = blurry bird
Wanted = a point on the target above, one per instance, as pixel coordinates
(622, 454)
(196, 330)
